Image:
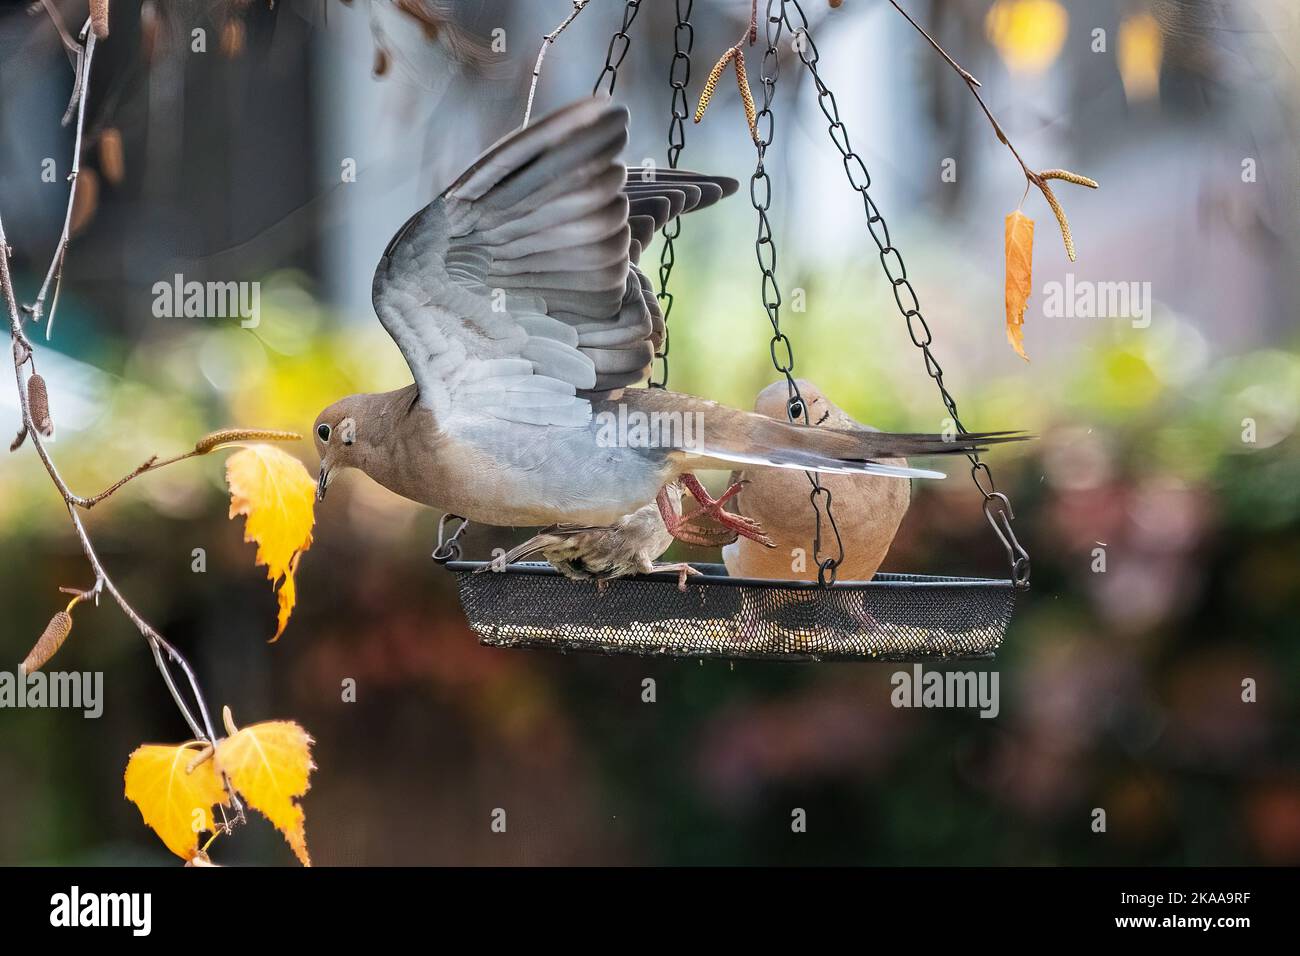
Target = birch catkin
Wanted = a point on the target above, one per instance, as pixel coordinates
(1060, 219)
(55, 633)
(38, 402)
(229, 436)
(99, 18)
(746, 97)
(1066, 176)
(711, 83)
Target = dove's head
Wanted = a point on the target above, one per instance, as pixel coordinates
(774, 400)
(337, 439)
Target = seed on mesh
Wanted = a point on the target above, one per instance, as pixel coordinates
(51, 639)
(38, 401)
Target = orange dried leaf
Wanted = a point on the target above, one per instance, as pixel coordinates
(174, 794)
(275, 493)
(1019, 277)
(269, 764)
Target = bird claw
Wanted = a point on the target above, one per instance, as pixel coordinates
(711, 508)
(683, 569)
(704, 537)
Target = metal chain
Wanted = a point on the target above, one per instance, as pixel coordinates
(618, 47)
(997, 506)
(765, 251)
(679, 75)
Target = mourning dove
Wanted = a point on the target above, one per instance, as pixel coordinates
(868, 509)
(516, 301)
(629, 546)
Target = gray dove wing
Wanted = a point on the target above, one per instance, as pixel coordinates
(515, 294)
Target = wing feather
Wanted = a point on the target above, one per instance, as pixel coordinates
(515, 293)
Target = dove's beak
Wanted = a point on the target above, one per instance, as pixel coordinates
(323, 481)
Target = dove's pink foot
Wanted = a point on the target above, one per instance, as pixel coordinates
(678, 526)
(711, 507)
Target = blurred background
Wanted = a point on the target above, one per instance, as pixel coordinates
(1120, 689)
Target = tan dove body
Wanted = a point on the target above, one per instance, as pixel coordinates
(516, 300)
(868, 509)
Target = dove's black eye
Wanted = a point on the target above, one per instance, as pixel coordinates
(795, 409)
(324, 432)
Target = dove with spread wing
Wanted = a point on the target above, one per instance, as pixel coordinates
(516, 300)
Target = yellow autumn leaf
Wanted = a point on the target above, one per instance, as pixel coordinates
(173, 799)
(275, 493)
(269, 763)
(1019, 278)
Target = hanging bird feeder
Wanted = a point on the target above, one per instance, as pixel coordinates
(893, 617)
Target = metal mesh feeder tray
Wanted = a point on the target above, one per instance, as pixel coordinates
(894, 617)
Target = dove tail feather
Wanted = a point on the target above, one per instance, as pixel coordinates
(727, 437)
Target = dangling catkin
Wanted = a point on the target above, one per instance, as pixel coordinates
(38, 402)
(746, 97)
(1069, 177)
(1060, 218)
(711, 83)
(99, 18)
(55, 633)
(228, 436)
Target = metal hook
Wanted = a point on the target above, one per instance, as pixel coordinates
(449, 549)
(1016, 552)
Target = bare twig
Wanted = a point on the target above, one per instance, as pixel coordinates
(1038, 180)
(55, 272)
(547, 40)
(974, 86)
(165, 655)
(72, 47)
(149, 465)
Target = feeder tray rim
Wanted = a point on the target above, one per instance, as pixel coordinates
(716, 574)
